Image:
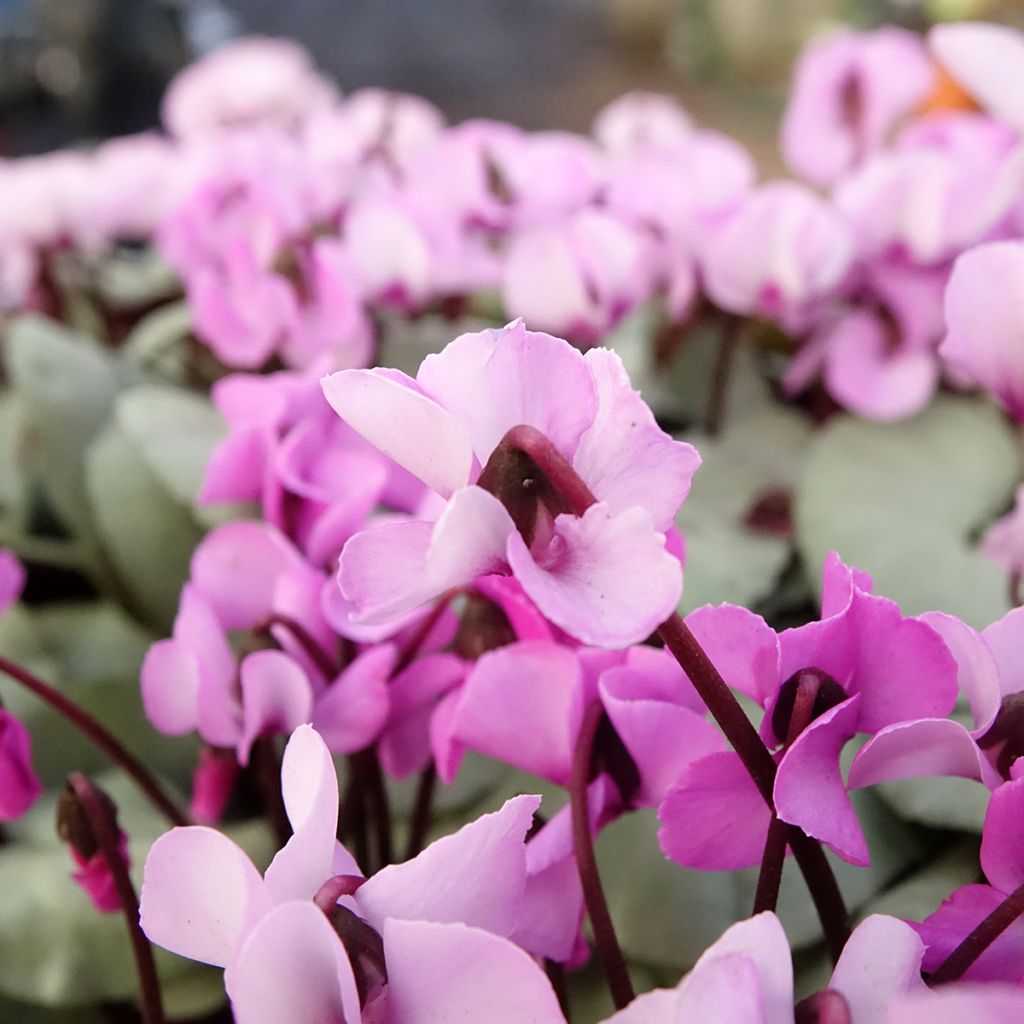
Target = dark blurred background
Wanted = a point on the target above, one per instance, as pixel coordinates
(73, 70)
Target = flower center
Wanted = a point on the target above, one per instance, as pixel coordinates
(1007, 729)
(804, 696)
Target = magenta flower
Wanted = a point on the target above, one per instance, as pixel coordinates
(985, 321)
(92, 874)
(1002, 860)
(12, 579)
(445, 425)
(863, 667)
(642, 121)
(846, 98)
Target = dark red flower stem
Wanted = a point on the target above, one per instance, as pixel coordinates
(980, 939)
(105, 833)
(718, 393)
(715, 694)
(326, 665)
(100, 737)
(426, 627)
(769, 881)
(334, 888)
(608, 951)
(266, 772)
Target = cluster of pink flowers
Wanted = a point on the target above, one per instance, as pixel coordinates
(484, 557)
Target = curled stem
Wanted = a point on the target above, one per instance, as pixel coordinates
(421, 811)
(105, 833)
(100, 737)
(608, 950)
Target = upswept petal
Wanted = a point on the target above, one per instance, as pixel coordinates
(440, 973)
(714, 818)
(923, 748)
(476, 876)
(962, 1004)
(1002, 840)
(394, 415)
(199, 892)
(881, 960)
(1004, 638)
(741, 645)
(493, 380)
(350, 713)
(309, 786)
(520, 704)
(293, 967)
(277, 697)
(624, 456)
(170, 687)
(809, 787)
(611, 581)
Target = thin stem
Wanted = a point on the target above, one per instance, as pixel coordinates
(421, 811)
(352, 816)
(769, 881)
(556, 975)
(378, 793)
(608, 951)
(980, 939)
(91, 728)
(426, 627)
(728, 344)
(105, 833)
(323, 661)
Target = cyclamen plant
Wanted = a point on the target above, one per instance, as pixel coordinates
(462, 570)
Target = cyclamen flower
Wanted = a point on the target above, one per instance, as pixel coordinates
(866, 666)
(846, 98)
(605, 576)
(985, 321)
(1002, 860)
(287, 955)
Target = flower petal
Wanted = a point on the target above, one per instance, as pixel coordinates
(351, 712)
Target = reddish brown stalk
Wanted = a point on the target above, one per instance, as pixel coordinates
(105, 833)
(100, 737)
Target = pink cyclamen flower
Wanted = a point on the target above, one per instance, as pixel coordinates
(846, 97)
(779, 254)
(93, 875)
(604, 576)
(1004, 542)
(869, 666)
(245, 83)
(985, 321)
(578, 278)
(1002, 860)
(986, 61)
(642, 121)
(203, 898)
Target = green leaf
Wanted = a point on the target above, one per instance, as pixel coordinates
(726, 560)
(155, 342)
(57, 950)
(667, 915)
(146, 533)
(905, 500)
(130, 279)
(175, 431)
(66, 385)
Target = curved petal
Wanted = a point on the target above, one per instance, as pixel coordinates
(170, 687)
(663, 738)
(1004, 638)
(309, 786)
(624, 456)
(199, 891)
(393, 414)
(714, 818)
(1002, 840)
(440, 973)
(293, 966)
(977, 672)
(961, 1004)
(610, 582)
(881, 960)
(277, 696)
(921, 749)
(493, 380)
(741, 645)
(517, 705)
(476, 876)
(809, 787)
(353, 709)
(19, 785)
